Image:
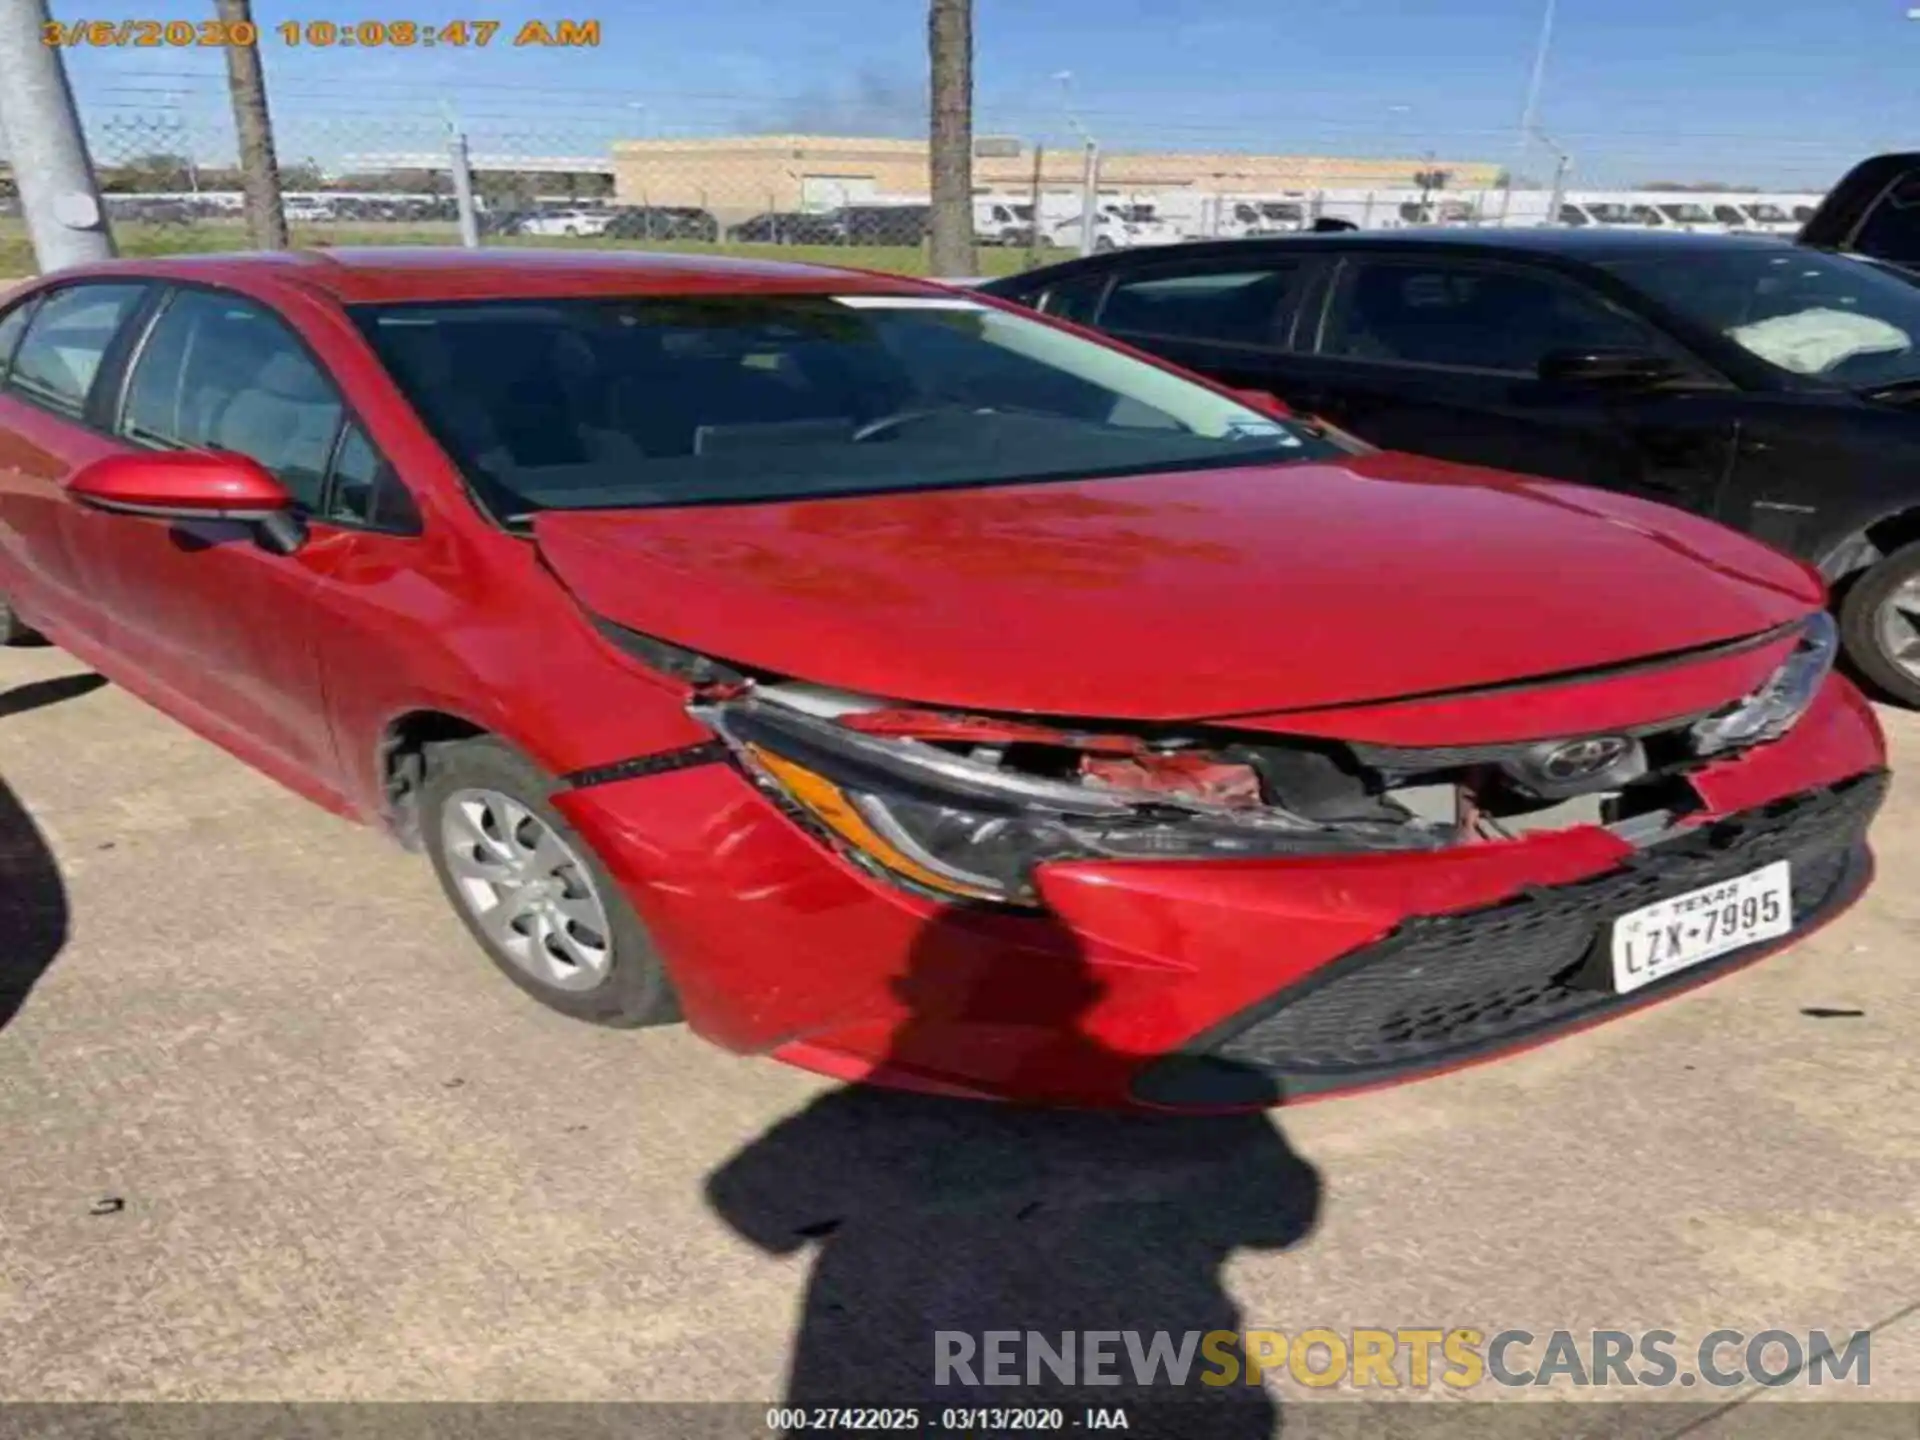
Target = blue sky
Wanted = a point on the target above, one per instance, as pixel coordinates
(1636, 89)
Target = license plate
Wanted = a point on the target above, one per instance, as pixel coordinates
(1654, 941)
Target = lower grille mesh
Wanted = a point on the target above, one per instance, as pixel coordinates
(1441, 987)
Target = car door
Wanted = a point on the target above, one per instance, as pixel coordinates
(1441, 356)
(1227, 317)
(59, 342)
(222, 627)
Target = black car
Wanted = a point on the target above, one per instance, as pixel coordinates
(662, 222)
(1770, 384)
(790, 227)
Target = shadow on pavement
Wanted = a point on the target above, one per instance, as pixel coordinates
(33, 905)
(36, 693)
(931, 1214)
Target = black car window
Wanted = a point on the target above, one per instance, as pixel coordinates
(1076, 299)
(1891, 230)
(1242, 304)
(65, 342)
(220, 373)
(1469, 317)
(366, 490)
(12, 326)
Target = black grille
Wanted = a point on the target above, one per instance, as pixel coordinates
(1442, 987)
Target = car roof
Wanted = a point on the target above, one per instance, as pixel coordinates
(1581, 245)
(389, 274)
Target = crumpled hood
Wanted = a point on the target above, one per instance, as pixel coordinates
(1178, 596)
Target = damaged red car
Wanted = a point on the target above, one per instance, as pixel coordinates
(922, 691)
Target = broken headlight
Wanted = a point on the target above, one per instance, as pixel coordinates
(1771, 711)
(968, 828)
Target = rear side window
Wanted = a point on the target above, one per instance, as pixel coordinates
(1242, 306)
(66, 339)
(220, 373)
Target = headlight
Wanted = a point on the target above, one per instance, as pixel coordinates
(1771, 711)
(965, 828)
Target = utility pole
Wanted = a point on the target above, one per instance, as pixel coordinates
(58, 194)
(1089, 168)
(950, 137)
(259, 171)
(1034, 198)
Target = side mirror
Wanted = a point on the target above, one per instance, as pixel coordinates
(1607, 369)
(194, 485)
(1265, 401)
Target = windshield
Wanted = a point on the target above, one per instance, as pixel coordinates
(686, 400)
(1687, 214)
(1282, 211)
(1610, 214)
(1800, 311)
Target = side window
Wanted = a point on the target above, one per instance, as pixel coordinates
(1465, 317)
(1243, 306)
(1891, 230)
(218, 372)
(1727, 215)
(65, 341)
(1075, 299)
(1572, 215)
(12, 326)
(366, 489)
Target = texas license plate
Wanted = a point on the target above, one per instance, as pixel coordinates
(1654, 941)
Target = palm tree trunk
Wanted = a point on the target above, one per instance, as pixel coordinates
(950, 137)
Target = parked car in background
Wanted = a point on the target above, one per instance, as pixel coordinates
(884, 224)
(666, 601)
(1765, 384)
(662, 222)
(572, 222)
(1002, 222)
(790, 227)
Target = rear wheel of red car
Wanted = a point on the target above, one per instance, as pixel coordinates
(532, 891)
(1880, 624)
(12, 631)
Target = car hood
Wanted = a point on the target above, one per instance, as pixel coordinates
(1176, 596)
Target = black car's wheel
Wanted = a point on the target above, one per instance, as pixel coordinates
(533, 893)
(1880, 624)
(12, 630)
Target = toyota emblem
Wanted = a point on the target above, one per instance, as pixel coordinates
(1583, 759)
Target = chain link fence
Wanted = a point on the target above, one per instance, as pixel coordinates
(375, 166)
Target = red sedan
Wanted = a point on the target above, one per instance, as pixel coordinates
(919, 690)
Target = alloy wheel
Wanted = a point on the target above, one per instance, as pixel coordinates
(1896, 627)
(528, 892)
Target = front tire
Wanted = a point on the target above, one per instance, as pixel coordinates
(532, 892)
(1880, 624)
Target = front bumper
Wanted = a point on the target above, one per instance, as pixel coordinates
(1444, 989)
(1198, 984)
